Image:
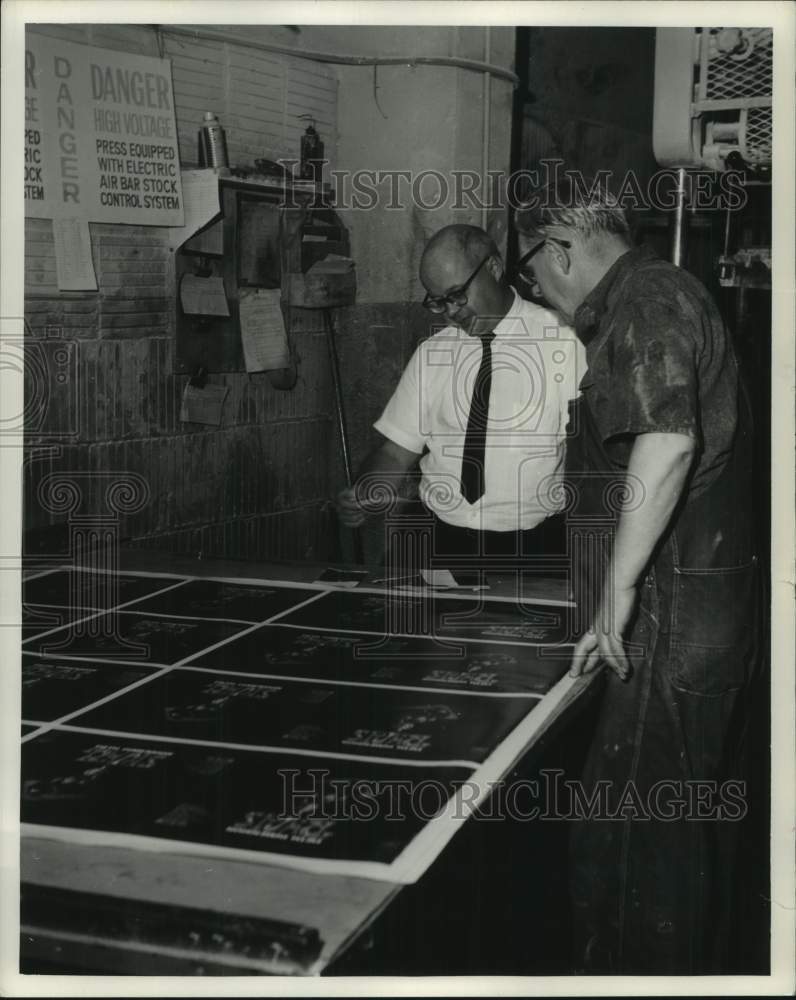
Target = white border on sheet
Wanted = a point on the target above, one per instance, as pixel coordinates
(414, 858)
(421, 689)
(781, 14)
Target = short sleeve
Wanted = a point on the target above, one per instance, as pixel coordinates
(402, 419)
(651, 384)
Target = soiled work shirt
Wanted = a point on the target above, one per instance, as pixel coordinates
(646, 894)
(536, 365)
(659, 361)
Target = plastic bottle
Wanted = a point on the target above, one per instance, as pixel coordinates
(311, 152)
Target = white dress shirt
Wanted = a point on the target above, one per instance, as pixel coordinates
(537, 363)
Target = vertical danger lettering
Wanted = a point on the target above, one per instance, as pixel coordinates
(70, 189)
(66, 117)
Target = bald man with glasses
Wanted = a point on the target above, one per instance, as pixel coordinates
(482, 407)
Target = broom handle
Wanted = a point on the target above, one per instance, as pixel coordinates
(341, 426)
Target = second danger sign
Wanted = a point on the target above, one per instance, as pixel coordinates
(100, 135)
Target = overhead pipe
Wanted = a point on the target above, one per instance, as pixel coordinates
(344, 60)
(486, 126)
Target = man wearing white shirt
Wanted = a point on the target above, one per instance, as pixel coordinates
(483, 406)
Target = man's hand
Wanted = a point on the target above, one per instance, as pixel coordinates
(603, 641)
(659, 463)
(351, 514)
(374, 491)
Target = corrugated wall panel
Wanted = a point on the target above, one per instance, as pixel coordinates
(258, 97)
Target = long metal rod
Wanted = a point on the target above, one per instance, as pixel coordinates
(679, 232)
(341, 425)
(727, 233)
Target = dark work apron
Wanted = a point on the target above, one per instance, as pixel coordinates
(647, 896)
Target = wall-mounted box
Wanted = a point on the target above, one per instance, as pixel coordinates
(264, 238)
(321, 290)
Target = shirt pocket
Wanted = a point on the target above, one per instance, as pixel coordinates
(713, 628)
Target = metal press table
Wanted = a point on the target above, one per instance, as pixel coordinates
(115, 910)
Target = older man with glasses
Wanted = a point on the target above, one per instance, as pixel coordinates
(658, 465)
(482, 405)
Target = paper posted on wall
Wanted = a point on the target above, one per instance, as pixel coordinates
(100, 135)
(262, 330)
(203, 296)
(333, 263)
(203, 406)
(201, 201)
(207, 241)
(73, 264)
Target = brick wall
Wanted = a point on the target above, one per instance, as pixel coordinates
(256, 486)
(101, 395)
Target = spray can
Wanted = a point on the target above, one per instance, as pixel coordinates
(311, 153)
(212, 143)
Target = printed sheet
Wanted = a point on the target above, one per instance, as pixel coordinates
(332, 731)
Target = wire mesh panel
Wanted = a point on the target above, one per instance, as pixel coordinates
(733, 94)
(739, 63)
(758, 135)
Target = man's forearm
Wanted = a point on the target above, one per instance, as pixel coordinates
(660, 462)
(383, 471)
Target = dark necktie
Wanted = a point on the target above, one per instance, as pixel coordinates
(472, 484)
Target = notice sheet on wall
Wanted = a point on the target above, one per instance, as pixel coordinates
(262, 330)
(74, 266)
(100, 135)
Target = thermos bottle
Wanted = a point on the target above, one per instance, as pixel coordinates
(311, 153)
(212, 143)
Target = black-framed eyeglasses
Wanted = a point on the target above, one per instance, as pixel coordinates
(535, 249)
(530, 279)
(456, 297)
